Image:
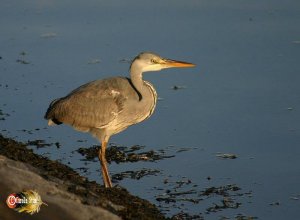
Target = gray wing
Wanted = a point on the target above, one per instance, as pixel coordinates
(93, 105)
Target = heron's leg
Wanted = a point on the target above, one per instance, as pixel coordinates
(103, 162)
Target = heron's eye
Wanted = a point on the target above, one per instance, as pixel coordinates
(154, 61)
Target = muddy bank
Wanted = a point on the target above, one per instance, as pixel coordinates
(116, 200)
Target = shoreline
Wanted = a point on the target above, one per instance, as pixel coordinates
(55, 181)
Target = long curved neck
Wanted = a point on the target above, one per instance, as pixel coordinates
(137, 80)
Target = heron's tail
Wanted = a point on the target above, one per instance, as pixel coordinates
(49, 114)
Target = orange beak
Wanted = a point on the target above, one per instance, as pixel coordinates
(175, 63)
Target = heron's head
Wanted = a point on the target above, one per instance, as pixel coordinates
(147, 61)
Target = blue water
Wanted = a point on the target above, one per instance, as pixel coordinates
(242, 98)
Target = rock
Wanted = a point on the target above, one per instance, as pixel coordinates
(16, 177)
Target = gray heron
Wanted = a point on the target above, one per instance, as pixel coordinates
(108, 106)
